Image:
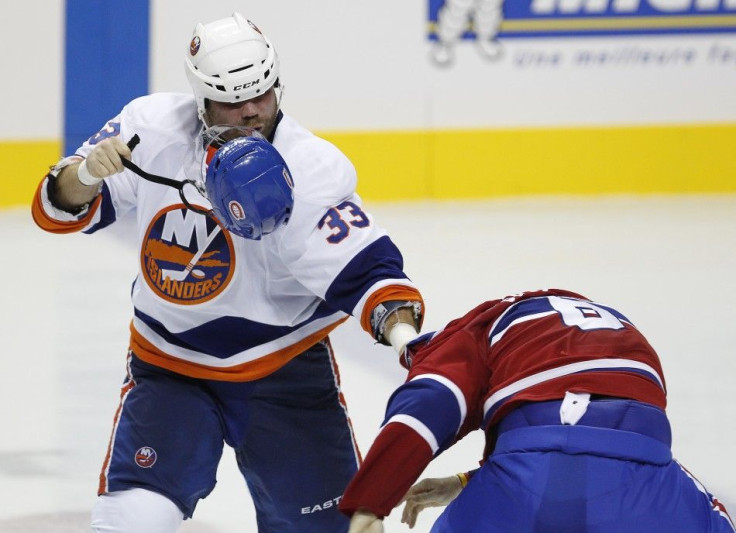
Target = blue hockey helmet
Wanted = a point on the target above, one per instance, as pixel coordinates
(250, 187)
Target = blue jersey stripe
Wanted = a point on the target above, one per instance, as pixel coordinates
(533, 306)
(430, 402)
(541, 307)
(378, 261)
(107, 211)
(502, 396)
(216, 337)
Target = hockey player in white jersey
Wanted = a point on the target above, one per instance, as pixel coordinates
(229, 338)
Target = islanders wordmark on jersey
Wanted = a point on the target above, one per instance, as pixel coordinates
(186, 258)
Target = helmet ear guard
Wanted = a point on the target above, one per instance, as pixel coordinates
(230, 60)
(249, 187)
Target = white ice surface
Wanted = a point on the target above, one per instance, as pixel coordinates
(668, 263)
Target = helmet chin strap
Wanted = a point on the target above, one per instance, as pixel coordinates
(163, 180)
(201, 111)
(279, 88)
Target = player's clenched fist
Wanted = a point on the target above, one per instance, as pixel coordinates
(105, 160)
(365, 522)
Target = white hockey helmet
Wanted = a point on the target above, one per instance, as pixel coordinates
(230, 60)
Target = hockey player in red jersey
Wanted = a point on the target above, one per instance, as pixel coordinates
(572, 399)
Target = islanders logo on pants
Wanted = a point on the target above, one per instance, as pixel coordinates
(145, 457)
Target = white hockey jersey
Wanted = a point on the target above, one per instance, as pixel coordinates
(210, 304)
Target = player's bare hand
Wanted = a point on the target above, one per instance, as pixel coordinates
(106, 158)
(431, 492)
(365, 522)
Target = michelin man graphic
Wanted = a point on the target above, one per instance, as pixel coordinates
(453, 20)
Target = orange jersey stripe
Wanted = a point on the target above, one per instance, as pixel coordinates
(249, 371)
(51, 225)
(385, 294)
(343, 402)
(126, 388)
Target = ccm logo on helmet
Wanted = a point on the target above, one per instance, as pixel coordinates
(236, 210)
(246, 85)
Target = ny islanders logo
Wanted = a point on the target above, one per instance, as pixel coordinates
(194, 45)
(186, 258)
(145, 457)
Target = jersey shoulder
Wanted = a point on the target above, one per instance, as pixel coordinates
(322, 174)
(163, 114)
(487, 315)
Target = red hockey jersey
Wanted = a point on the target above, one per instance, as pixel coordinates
(531, 347)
